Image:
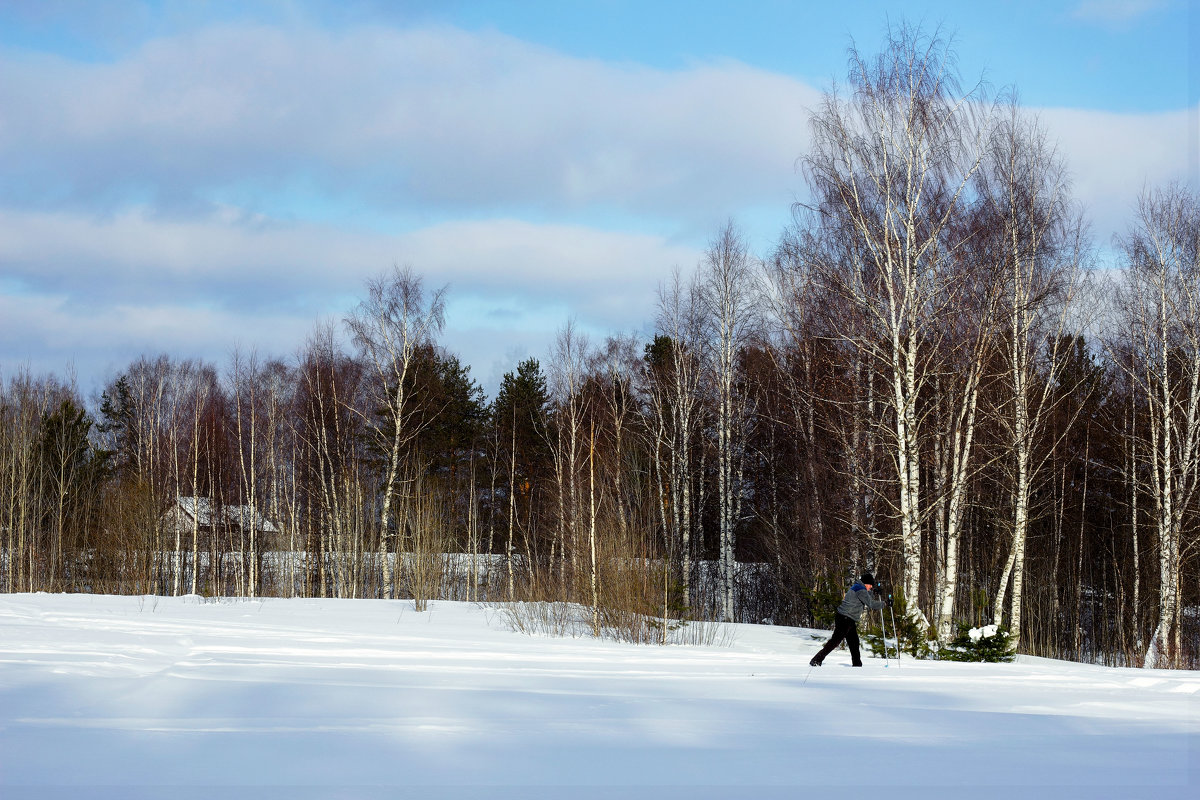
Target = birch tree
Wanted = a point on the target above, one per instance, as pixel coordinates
(329, 430)
(24, 403)
(397, 319)
(839, 380)
(1160, 302)
(194, 385)
(566, 374)
(727, 292)
(891, 164)
(256, 390)
(613, 371)
(675, 395)
(964, 341)
(147, 417)
(244, 388)
(282, 445)
(1041, 252)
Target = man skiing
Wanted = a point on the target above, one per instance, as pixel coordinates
(858, 599)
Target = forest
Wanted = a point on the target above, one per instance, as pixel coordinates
(930, 375)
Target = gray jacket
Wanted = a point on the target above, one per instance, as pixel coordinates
(859, 599)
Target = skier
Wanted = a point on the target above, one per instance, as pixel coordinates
(858, 598)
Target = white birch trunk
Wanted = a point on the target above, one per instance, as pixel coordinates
(1162, 301)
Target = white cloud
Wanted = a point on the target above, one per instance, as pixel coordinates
(438, 123)
(134, 254)
(172, 199)
(1113, 156)
(406, 118)
(49, 333)
(89, 291)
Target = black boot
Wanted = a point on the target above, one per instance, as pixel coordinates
(814, 663)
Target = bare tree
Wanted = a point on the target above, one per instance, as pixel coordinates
(177, 413)
(198, 385)
(614, 369)
(1041, 252)
(1160, 302)
(247, 389)
(829, 393)
(23, 403)
(426, 517)
(282, 451)
(566, 372)
(728, 282)
(331, 423)
(960, 364)
(792, 304)
(593, 562)
(675, 397)
(398, 319)
(144, 427)
(891, 166)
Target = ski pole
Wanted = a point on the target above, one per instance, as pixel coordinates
(887, 651)
(883, 628)
(897, 634)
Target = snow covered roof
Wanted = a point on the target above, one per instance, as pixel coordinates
(202, 509)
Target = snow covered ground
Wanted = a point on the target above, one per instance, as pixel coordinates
(132, 697)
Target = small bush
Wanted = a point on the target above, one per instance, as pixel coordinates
(559, 619)
(823, 600)
(991, 643)
(911, 631)
(872, 638)
(544, 619)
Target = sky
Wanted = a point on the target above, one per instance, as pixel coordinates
(203, 177)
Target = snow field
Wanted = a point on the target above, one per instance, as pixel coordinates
(130, 697)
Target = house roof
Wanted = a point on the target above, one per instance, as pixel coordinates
(203, 510)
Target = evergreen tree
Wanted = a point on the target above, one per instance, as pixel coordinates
(455, 413)
(73, 473)
(521, 415)
(118, 425)
(72, 466)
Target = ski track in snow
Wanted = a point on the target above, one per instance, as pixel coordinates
(130, 697)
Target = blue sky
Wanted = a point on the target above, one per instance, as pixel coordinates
(193, 177)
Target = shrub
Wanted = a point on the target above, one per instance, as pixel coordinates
(991, 643)
(574, 620)
(823, 600)
(913, 637)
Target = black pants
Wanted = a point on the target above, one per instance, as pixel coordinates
(843, 628)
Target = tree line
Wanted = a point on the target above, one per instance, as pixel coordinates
(927, 376)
